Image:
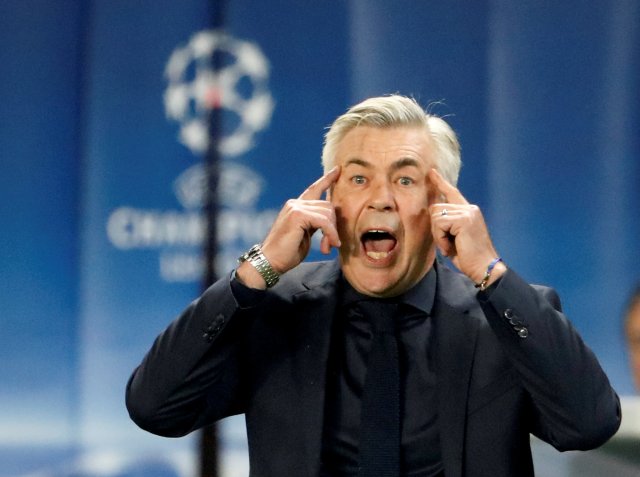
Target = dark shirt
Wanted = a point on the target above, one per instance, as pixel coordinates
(420, 440)
(420, 453)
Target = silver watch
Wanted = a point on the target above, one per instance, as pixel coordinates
(256, 258)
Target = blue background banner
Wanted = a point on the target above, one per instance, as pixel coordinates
(101, 146)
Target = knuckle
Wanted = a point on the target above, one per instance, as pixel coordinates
(295, 206)
(296, 212)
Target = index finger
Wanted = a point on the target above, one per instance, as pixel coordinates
(451, 194)
(315, 190)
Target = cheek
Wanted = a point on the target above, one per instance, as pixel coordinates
(340, 197)
(418, 226)
(345, 219)
(417, 209)
(347, 202)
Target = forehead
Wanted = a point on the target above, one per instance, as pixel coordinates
(373, 144)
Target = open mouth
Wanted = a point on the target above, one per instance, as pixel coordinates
(378, 244)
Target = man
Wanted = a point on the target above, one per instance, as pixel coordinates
(632, 332)
(472, 363)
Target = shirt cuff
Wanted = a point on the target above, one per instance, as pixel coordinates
(245, 296)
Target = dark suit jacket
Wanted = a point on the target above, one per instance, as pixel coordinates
(270, 362)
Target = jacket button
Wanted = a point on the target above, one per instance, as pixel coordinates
(508, 313)
(208, 337)
(522, 332)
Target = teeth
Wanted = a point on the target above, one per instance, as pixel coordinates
(378, 255)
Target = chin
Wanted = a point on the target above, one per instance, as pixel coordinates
(380, 287)
(374, 279)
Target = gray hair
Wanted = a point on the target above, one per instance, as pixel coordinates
(396, 111)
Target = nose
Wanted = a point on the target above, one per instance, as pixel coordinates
(381, 196)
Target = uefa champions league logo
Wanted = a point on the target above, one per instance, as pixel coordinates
(238, 88)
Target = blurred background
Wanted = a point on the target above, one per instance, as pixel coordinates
(103, 135)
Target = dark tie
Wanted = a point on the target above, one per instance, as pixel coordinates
(379, 454)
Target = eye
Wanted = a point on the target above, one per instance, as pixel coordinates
(359, 180)
(406, 181)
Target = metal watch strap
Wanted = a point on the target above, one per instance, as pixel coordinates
(256, 258)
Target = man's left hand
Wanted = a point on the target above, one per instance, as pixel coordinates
(460, 232)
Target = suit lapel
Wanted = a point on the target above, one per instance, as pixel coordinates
(456, 334)
(317, 305)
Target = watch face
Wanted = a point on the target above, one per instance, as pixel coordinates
(249, 254)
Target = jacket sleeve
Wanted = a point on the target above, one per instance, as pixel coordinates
(191, 376)
(574, 406)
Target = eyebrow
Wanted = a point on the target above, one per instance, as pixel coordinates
(404, 162)
(397, 165)
(358, 162)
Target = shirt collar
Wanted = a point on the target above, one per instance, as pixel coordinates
(421, 296)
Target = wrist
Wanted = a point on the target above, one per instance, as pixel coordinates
(495, 269)
(498, 271)
(249, 277)
(256, 260)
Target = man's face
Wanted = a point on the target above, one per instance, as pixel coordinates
(381, 199)
(633, 339)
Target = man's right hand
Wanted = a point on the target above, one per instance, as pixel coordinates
(289, 239)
